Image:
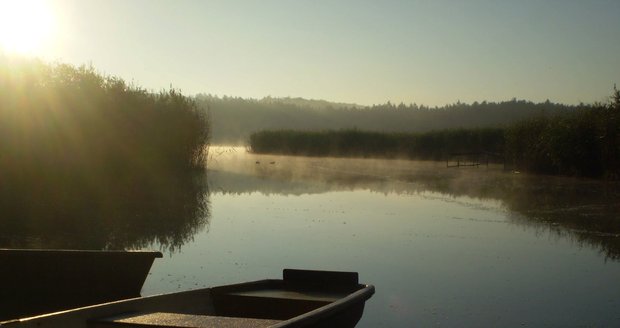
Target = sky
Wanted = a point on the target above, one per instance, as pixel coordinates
(365, 52)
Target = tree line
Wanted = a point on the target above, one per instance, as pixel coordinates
(584, 141)
(235, 119)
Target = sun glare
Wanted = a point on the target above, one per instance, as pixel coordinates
(25, 26)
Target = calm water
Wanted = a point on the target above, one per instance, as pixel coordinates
(444, 247)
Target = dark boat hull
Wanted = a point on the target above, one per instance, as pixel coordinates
(44, 281)
(302, 299)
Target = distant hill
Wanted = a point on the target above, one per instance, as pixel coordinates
(317, 104)
(234, 119)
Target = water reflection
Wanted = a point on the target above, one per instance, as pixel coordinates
(584, 211)
(140, 211)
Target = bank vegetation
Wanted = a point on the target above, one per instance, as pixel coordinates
(74, 142)
(584, 141)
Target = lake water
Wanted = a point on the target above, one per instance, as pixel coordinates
(444, 247)
(465, 247)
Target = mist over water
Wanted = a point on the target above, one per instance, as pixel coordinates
(581, 209)
(465, 247)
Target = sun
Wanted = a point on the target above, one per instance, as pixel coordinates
(25, 26)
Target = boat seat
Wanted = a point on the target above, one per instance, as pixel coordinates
(273, 303)
(169, 320)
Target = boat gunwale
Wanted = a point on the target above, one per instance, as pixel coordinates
(308, 318)
(157, 254)
(86, 309)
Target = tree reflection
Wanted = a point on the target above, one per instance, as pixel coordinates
(584, 210)
(128, 212)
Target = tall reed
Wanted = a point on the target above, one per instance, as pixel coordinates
(71, 138)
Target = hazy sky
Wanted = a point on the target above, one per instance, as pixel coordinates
(429, 52)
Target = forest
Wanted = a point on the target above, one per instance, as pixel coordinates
(237, 118)
(582, 141)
